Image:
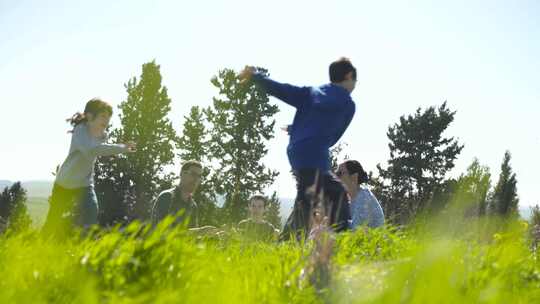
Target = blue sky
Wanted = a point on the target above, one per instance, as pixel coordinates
(480, 56)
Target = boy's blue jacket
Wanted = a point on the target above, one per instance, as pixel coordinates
(322, 116)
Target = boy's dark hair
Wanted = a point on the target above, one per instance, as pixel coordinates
(258, 197)
(341, 67)
(94, 106)
(353, 166)
(190, 164)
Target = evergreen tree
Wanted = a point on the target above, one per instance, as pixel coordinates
(193, 145)
(5, 204)
(136, 178)
(535, 216)
(534, 227)
(473, 188)
(112, 188)
(504, 201)
(420, 157)
(242, 122)
(272, 210)
(336, 155)
(13, 211)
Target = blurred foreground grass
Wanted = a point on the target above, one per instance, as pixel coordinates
(469, 262)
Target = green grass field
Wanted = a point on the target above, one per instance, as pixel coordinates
(442, 263)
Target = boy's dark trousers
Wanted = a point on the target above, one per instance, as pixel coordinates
(313, 186)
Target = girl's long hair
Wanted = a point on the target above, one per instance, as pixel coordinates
(94, 106)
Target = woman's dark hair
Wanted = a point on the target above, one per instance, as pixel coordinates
(339, 68)
(353, 166)
(95, 107)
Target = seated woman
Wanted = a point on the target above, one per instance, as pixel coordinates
(365, 208)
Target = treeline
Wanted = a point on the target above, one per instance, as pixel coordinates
(230, 139)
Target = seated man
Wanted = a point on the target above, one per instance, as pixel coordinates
(255, 227)
(171, 201)
(365, 208)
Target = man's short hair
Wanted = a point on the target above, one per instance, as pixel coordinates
(258, 197)
(190, 164)
(341, 67)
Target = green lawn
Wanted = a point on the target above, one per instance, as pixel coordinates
(465, 263)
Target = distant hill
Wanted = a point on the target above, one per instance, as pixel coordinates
(286, 207)
(288, 203)
(525, 212)
(37, 208)
(38, 188)
(4, 183)
(38, 192)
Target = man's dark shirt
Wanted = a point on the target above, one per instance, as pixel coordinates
(257, 231)
(170, 202)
